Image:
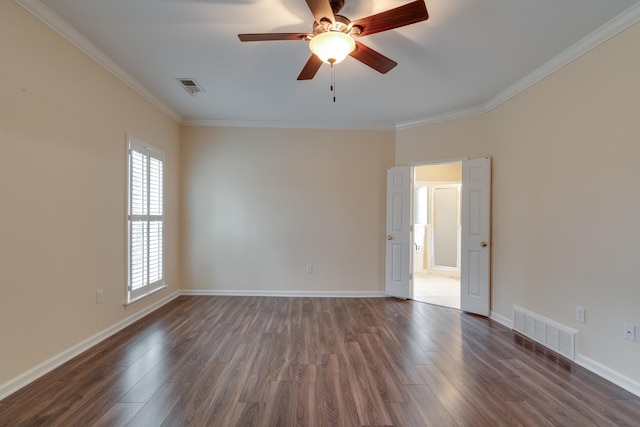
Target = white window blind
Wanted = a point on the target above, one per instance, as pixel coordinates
(145, 219)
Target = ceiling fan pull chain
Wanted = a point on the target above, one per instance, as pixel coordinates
(333, 82)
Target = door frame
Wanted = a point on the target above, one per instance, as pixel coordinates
(477, 297)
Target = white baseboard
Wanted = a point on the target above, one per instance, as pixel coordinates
(505, 321)
(45, 367)
(609, 374)
(314, 294)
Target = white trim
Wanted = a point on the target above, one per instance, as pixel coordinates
(443, 117)
(257, 293)
(141, 298)
(47, 366)
(609, 374)
(599, 36)
(505, 321)
(438, 162)
(73, 36)
(288, 125)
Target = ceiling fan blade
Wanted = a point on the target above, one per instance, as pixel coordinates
(273, 36)
(310, 68)
(373, 59)
(394, 18)
(321, 9)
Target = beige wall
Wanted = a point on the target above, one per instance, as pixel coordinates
(565, 195)
(63, 123)
(261, 204)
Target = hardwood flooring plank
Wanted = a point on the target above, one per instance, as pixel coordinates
(398, 362)
(526, 414)
(328, 337)
(311, 344)
(281, 405)
(405, 414)
(118, 415)
(247, 414)
(461, 403)
(154, 412)
(430, 408)
(218, 409)
(397, 340)
(308, 409)
(369, 403)
(191, 403)
(336, 394)
(389, 385)
(264, 369)
(147, 387)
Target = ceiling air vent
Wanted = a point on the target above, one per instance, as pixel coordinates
(191, 86)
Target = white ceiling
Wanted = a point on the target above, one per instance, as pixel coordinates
(468, 55)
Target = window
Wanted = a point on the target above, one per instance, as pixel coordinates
(145, 220)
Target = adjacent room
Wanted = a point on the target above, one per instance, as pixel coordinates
(197, 227)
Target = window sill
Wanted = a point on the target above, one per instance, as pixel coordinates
(145, 296)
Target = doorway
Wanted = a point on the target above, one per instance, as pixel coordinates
(475, 228)
(437, 234)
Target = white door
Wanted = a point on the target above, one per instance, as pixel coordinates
(398, 238)
(476, 247)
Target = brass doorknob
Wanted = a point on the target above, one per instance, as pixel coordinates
(389, 237)
(483, 244)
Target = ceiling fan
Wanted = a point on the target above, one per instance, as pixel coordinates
(332, 37)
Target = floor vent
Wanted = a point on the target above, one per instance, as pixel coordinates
(191, 86)
(557, 337)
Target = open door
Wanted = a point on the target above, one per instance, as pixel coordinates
(398, 238)
(476, 246)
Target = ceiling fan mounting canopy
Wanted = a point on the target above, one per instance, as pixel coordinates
(327, 20)
(336, 5)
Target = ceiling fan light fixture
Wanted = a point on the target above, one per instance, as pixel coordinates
(332, 47)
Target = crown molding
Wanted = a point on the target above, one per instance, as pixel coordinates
(599, 36)
(73, 36)
(288, 125)
(451, 115)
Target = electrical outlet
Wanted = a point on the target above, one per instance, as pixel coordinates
(99, 296)
(580, 314)
(629, 332)
(309, 268)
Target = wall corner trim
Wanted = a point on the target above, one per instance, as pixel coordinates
(47, 366)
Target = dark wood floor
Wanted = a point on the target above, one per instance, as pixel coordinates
(236, 361)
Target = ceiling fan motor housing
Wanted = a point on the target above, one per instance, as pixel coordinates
(342, 24)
